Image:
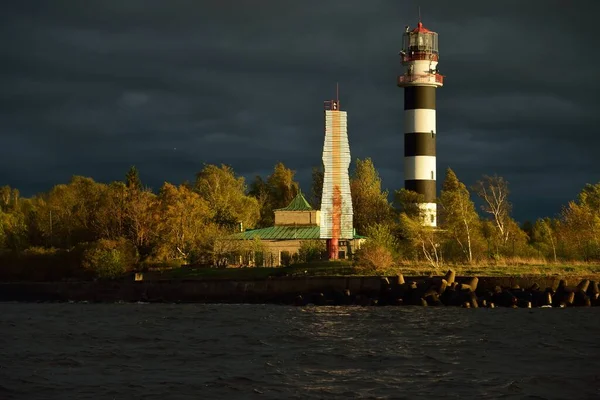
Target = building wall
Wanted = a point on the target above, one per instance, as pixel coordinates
(312, 218)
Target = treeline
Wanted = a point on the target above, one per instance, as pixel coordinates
(91, 228)
(466, 236)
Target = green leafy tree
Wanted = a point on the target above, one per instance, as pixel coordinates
(282, 186)
(260, 191)
(182, 218)
(423, 239)
(277, 191)
(544, 236)
(109, 221)
(109, 258)
(458, 217)
(316, 189)
(370, 203)
(68, 213)
(132, 179)
(13, 231)
(226, 194)
(408, 201)
(580, 225)
(140, 219)
(13, 224)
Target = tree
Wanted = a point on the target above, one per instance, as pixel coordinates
(109, 222)
(408, 201)
(13, 231)
(260, 191)
(493, 190)
(226, 194)
(9, 198)
(370, 203)
(543, 235)
(132, 179)
(282, 186)
(13, 224)
(140, 221)
(580, 227)
(458, 216)
(182, 217)
(277, 191)
(528, 227)
(424, 238)
(316, 189)
(67, 215)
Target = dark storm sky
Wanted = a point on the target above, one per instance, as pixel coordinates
(92, 87)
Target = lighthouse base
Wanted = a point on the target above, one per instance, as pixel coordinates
(333, 249)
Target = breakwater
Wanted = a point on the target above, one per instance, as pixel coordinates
(448, 290)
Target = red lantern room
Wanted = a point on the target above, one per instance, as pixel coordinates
(419, 44)
(420, 58)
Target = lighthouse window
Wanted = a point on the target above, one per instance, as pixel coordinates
(432, 218)
(432, 175)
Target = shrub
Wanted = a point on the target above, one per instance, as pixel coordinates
(374, 258)
(286, 258)
(109, 258)
(311, 250)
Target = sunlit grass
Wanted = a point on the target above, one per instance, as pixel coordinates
(507, 267)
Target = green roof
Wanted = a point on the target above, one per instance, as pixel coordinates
(281, 232)
(298, 204)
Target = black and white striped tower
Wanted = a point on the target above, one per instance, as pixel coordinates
(420, 80)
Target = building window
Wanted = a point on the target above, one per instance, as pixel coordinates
(432, 178)
(432, 218)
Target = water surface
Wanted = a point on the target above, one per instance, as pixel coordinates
(193, 351)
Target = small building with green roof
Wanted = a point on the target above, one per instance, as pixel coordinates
(294, 225)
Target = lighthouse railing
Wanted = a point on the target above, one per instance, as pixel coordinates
(424, 78)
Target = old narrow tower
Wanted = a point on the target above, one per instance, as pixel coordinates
(336, 202)
(420, 80)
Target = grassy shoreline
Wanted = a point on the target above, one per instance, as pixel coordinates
(345, 268)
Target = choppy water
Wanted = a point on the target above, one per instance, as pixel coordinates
(158, 351)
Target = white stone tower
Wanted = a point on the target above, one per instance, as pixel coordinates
(336, 201)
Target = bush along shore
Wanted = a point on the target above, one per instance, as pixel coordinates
(446, 291)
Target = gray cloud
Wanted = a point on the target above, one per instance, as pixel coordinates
(93, 87)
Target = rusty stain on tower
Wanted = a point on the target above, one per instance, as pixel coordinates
(336, 201)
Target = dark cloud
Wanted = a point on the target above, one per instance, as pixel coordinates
(93, 87)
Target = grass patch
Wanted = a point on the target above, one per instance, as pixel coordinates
(505, 269)
(346, 268)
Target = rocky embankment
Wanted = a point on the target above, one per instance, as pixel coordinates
(448, 290)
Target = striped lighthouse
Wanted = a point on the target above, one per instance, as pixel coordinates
(420, 80)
